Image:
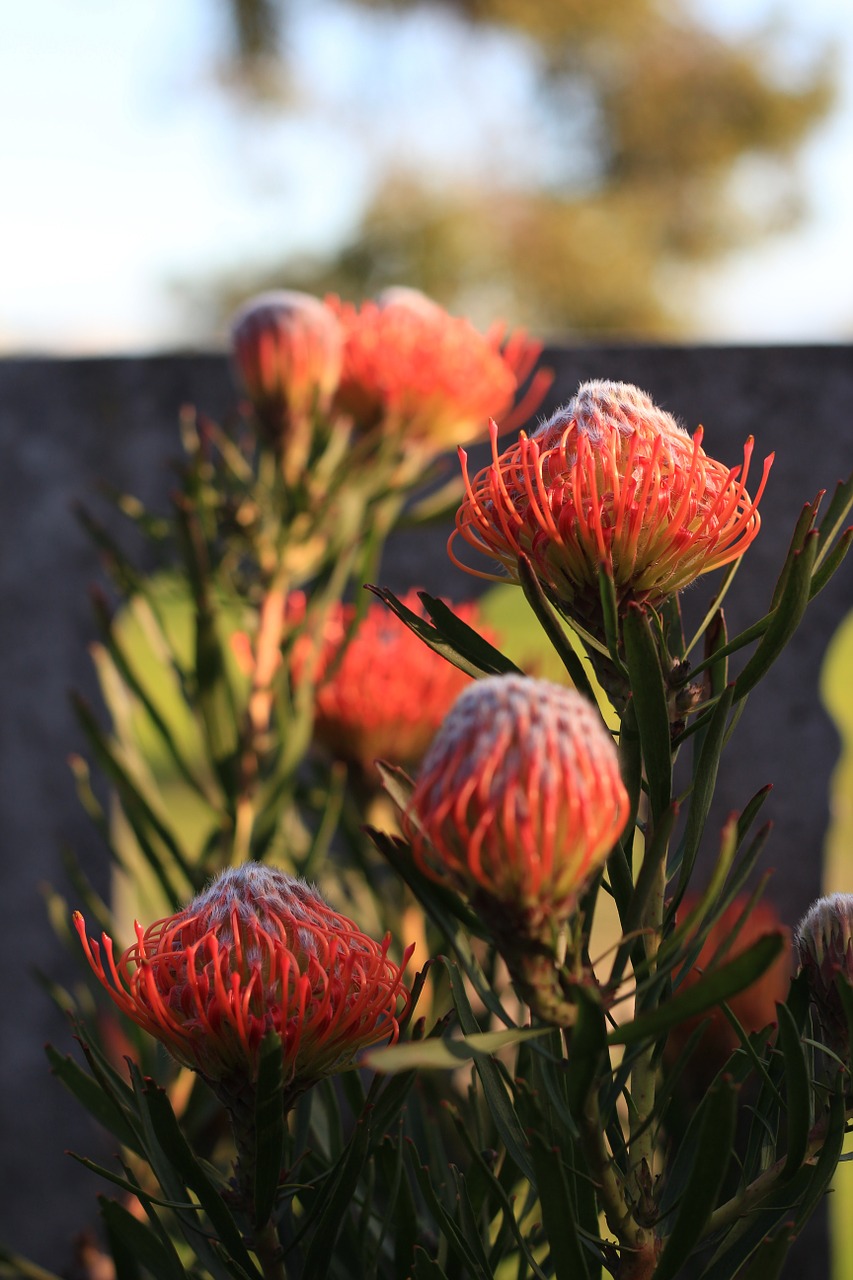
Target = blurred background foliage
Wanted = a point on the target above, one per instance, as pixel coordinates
(663, 147)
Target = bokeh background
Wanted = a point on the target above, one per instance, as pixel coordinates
(637, 168)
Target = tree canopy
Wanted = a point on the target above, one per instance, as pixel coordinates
(671, 146)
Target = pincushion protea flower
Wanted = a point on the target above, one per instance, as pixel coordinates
(519, 798)
(610, 479)
(824, 948)
(382, 693)
(411, 368)
(257, 951)
(516, 805)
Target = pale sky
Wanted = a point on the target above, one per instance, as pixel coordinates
(126, 168)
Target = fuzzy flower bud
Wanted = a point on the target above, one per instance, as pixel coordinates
(288, 353)
(519, 798)
(256, 951)
(609, 479)
(824, 947)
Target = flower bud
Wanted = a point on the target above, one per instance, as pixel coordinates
(519, 798)
(288, 353)
(257, 951)
(609, 479)
(824, 947)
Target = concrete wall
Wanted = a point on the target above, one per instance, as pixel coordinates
(66, 425)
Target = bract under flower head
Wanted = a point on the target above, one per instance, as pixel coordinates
(257, 951)
(608, 480)
(519, 798)
(824, 947)
(411, 368)
(381, 693)
(288, 350)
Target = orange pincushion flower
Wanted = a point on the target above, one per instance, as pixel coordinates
(288, 350)
(519, 798)
(388, 693)
(257, 951)
(411, 367)
(609, 479)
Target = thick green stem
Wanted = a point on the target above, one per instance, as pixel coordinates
(644, 1073)
(268, 1251)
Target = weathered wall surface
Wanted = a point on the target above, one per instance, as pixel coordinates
(66, 425)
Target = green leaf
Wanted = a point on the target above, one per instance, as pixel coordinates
(704, 782)
(769, 1258)
(711, 990)
(713, 1153)
(784, 620)
(97, 1101)
(133, 1242)
(797, 1091)
(650, 701)
(16, 1267)
(610, 615)
(587, 1048)
(450, 637)
(458, 1244)
(804, 526)
(837, 512)
(269, 1127)
(181, 1164)
(821, 576)
(330, 1215)
(446, 1054)
(551, 625)
(568, 1257)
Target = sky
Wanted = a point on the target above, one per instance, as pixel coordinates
(129, 170)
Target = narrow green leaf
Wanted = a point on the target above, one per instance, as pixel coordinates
(830, 1153)
(133, 1242)
(650, 700)
(797, 1091)
(425, 1267)
(269, 1127)
(836, 513)
(769, 1258)
(458, 1244)
(713, 1153)
(330, 1214)
(834, 559)
(446, 1054)
(704, 782)
(709, 991)
(97, 1101)
(450, 637)
(784, 620)
(805, 524)
(16, 1267)
(173, 1144)
(551, 625)
(610, 615)
(568, 1257)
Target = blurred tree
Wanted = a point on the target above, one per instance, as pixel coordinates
(669, 147)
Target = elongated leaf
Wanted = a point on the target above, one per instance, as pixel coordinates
(460, 1247)
(836, 513)
(783, 621)
(446, 1054)
(177, 1151)
(834, 560)
(610, 615)
(551, 625)
(132, 1242)
(16, 1267)
(713, 1153)
(558, 1212)
(769, 1258)
(709, 991)
(336, 1199)
(455, 641)
(704, 783)
(650, 700)
(797, 1091)
(425, 1267)
(805, 524)
(99, 1103)
(269, 1127)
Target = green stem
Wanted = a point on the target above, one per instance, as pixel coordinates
(641, 1142)
(611, 1193)
(268, 1251)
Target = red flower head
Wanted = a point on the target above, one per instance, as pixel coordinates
(413, 370)
(824, 947)
(288, 353)
(257, 951)
(754, 1007)
(382, 693)
(519, 799)
(609, 479)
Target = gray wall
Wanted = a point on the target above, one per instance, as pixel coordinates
(66, 425)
